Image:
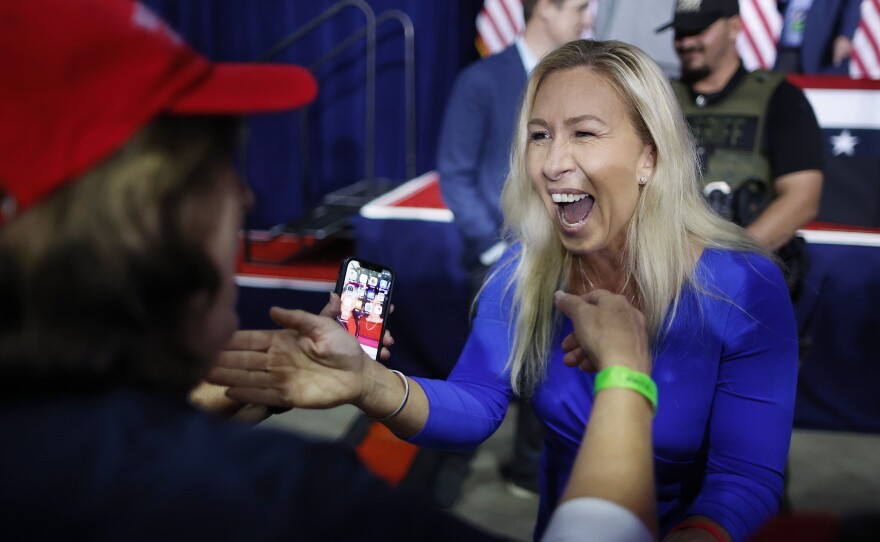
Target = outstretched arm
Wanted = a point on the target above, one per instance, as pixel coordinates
(615, 459)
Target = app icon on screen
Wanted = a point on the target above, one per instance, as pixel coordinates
(383, 284)
(373, 281)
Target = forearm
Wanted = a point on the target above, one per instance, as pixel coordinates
(797, 204)
(384, 393)
(615, 460)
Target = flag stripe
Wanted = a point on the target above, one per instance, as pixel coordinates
(508, 15)
(499, 23)
(845, 108)
(765, 24)
(507, 28)
(748, 50)
(761, 24)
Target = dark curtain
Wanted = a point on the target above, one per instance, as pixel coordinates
(294, 159)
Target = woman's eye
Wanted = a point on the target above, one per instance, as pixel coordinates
(538, 136)
(583, 134)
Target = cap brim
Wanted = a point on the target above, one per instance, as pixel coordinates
(248, 88)
(663, 28)
(690, 24)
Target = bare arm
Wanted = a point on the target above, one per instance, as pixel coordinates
(615, 460)
(796, 203)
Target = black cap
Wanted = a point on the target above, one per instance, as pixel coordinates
(694, 16)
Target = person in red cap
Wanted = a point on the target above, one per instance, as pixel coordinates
(121, 214)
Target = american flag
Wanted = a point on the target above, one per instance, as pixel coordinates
(761, 26)
(865, 61)
(501, 21)
(498, 24)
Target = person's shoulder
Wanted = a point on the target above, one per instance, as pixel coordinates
(785, 93)
(736, 261)
(732, 270)
(768, 77)
(489, 68)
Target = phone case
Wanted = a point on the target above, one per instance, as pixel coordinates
(365, 289)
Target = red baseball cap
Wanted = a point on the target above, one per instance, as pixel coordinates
(81, 77)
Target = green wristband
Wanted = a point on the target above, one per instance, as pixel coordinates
(618, 376)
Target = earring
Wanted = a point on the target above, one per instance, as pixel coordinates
(643, 180)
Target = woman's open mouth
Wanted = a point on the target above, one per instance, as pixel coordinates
(573, 209)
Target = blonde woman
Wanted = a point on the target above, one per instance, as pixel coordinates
(602, 196)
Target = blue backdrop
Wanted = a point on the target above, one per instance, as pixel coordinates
(333, 137)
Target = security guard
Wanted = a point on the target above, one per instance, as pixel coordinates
(759, 142)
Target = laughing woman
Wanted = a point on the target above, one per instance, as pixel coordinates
(603, 195)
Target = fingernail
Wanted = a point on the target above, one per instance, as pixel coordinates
(558, 294)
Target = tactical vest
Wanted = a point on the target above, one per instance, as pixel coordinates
(728, 135)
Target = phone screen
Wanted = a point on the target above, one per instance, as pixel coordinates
(365, 291)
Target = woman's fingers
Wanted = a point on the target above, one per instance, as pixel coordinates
(333, 307)
(573, 357)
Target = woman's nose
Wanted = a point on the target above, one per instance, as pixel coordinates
(558, 162)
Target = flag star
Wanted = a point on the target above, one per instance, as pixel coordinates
(845, 143)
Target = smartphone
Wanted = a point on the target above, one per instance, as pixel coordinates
(365, 289)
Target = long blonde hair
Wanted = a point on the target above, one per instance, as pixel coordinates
(670, 221)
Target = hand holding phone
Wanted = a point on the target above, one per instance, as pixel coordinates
(364, 289)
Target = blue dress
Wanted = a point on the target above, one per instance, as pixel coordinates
(726, 373)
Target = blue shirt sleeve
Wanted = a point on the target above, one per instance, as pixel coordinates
(753, 407)
(470, 404)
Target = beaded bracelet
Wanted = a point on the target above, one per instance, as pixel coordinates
(618, 376)
(405, 397)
